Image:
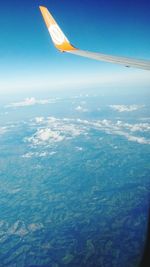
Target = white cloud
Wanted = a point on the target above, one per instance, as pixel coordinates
(28, 155)
(137, 127)
(38, 154)
(50, 136)
(52, 120)
(126, 108)
(121, 128)
(79, 148)
(3, 130)
(140, 140)
(52, 153)
(81, 109)
(52, 130)
(30, 102)
(144, 119)
(46, 135)
(39, 119)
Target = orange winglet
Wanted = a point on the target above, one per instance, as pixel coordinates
(59, 39)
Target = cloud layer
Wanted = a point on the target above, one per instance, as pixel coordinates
(31, 102)
(3, 130)
(52, 130)
(81, 109)
(126, 108)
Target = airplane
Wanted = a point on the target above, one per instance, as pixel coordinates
(63, 45)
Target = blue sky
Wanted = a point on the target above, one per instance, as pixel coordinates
(29, 59)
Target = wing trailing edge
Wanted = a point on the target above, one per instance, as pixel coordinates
(62, 44)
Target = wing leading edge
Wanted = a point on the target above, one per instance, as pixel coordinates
(62, 44)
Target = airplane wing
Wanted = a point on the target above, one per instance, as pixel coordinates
(62, 44)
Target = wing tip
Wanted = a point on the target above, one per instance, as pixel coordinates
(58, 37)
(42, 7)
